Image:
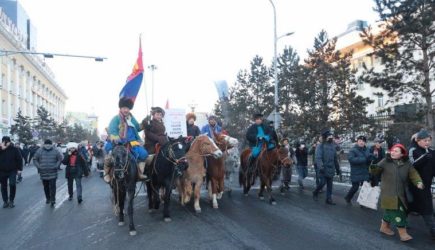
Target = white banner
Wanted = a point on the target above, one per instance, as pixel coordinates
(175, 122)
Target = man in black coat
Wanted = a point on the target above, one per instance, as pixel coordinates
(257, 134)
(11, 163)
(422, 158)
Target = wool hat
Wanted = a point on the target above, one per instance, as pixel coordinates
(402, 148)
(6, 139)
(423, 134)
(48, 142)
(378, 140)
(212, 117)
(127, 103)
(326, 133)
(362, 137)
(258, 116)
(155, 110)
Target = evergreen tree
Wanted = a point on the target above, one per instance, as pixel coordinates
(405, 46)
(22, 128)
(44, 124)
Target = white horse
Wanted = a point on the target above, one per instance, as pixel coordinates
(232, 163)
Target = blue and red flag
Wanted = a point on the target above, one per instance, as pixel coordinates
(134, 80)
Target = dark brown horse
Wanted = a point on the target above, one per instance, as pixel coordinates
(216, 168)
(264, 166)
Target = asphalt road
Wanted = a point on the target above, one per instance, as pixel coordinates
(296, 222)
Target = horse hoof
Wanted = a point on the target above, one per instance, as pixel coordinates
(121, 223)
(167, 219)
(198, 211)
(261, 197)
(133, 233)
(273, 203)
(215, 206)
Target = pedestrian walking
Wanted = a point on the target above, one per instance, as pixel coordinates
(19, 174)
(359, 158)
(46, 160)
(327, 162)
(396, 170)
(378, 153)
(286, 172)
(301, 163)
(25, 154)
(312, 152)
(75, 167)
(32, 151)
(11, 163)
(423, 160)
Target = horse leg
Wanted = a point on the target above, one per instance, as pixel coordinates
(269, 190)
(221, 187)
(131, 191)
(121, 199)
(214, 192)
(261, 191)
(150, 197)
(197, 193)
(167, 198)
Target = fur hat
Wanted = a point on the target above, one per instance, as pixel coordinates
(6, 139)
(423, 134)
(124, 102)
(190, 116)
(155, 110)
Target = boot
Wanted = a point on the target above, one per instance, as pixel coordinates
(330, 202)
(404, 236)
(5, 205)
(386, 229)
(11, 204)
(141, 175)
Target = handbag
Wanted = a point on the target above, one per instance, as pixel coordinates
(369, 196)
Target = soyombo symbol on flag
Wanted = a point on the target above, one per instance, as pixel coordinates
(134, 80)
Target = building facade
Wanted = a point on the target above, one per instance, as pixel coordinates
(26, 82)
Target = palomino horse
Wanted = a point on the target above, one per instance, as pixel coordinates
(170, 156)
(264, 166)
(124, 176)
(216, 168)
(201, 147)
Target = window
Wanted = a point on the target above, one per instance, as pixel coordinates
(380, 101)
(4, 108)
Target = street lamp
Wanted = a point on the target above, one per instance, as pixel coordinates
(48, 55)
(193, 105)
(275, 59)
(152, 67)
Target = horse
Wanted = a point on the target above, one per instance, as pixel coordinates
(123, 183)
(193, 177)
(170, 156)
(216, 168)
(264, 166)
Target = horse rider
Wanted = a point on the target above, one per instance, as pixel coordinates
(124, 128)
(273, 132)
(212, 127)
(192, 130)
(257, 134)
(155, 131)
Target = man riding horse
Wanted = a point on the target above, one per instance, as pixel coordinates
(124, 128)
(212, 127)
(257, 134)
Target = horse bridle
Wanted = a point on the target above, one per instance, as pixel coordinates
(171, 155)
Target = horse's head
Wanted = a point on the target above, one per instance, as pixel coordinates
(120, 159)
(225, 142)
(204, 145)
(177, 149)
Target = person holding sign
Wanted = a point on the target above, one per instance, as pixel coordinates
(155, 131)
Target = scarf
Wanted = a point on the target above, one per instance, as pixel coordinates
(123, 126)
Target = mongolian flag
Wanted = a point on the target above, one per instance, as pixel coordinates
(134, 80)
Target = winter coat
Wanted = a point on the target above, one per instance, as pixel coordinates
(381, 154)
(193, 130)
(424, 162)
(25, 152)
(251, 134)
(115, 127)
(47, 159)
(359, 159)
(207, 129)
(395, 176)
(155, 132)
(326, 159)
(10, 159)
(77, 170)
(302, 156)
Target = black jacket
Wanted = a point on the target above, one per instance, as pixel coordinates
(11, 159)
(193, 130)
(424, 162)
(302, 156)
(251, 134)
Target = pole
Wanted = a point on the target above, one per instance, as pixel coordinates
(275, 71)
(152, 67)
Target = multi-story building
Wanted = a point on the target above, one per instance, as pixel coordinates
(26, 82)
(87, 121)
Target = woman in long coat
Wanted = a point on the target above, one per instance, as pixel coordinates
(396, 171)
(423, 160)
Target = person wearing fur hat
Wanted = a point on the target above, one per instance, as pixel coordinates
(212, 127)
(327, 163)
(396, 170)
(124, 128)
(11, 163)
(423, 160)
(359, 158)
(192, 129)
(257, 134)
(155, 130)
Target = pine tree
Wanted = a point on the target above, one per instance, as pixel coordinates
(22, 128)
(406, 47)
(44, 124)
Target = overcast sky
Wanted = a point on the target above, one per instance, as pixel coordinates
(192, 42)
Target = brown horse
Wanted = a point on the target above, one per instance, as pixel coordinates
(194, 175)
(264, 166)
(216, 167)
